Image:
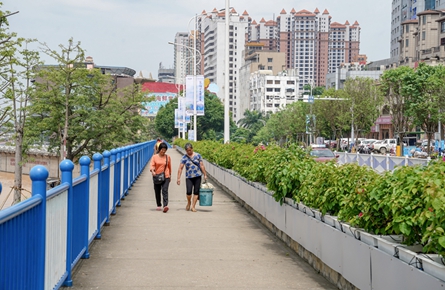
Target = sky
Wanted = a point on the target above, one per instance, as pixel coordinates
(135, 33)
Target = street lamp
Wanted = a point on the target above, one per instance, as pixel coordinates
(310, 101)
(226, 77)
(194, 80)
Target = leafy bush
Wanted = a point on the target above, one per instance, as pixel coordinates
(408, 201)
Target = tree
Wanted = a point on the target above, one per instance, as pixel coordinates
(333, 116)
(15, 88)
(425, 93)
(165, 119)
(316, 91)
(253, 121)
(79, 110)
(285, 125)
(393, 89)
(364, 100)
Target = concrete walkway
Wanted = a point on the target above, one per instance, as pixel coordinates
(218, 247)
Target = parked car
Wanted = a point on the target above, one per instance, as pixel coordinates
(383, 146)
(322, 154)
(424, 146)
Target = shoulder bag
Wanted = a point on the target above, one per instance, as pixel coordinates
(160, 178)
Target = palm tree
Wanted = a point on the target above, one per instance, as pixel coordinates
(252, 120)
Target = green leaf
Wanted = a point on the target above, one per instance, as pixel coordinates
(441, 241)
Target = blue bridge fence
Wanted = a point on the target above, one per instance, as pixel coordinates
(44, 237)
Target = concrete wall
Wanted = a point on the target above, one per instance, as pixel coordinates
(8, 162)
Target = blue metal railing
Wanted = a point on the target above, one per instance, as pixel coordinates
(45, 236)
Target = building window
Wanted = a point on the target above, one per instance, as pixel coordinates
(423, 19)
(442, 27)
(423, 35)
(277, 82)
(269, 68)
(269, 59)
(406, 42)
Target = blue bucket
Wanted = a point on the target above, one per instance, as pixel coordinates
(205, 196)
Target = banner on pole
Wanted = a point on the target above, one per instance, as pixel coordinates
(191, 135)
(181, 107)
(176, 119)
(190, 95)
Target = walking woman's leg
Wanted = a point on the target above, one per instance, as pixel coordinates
(196, 186)
(158, 194)
(165, 191)
(189, 189)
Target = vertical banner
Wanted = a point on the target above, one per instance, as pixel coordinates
(191, 135)
(200, 96)
(181, 107)
(189, 94)
(190, 97)
(176, 119)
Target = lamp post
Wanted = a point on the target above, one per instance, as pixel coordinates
(195, 52)
(226, 77)
(310, 101)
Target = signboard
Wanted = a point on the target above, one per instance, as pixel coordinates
(152, 108)
(310, 99)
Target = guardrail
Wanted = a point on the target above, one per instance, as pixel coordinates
(380, 163)
(45, 236)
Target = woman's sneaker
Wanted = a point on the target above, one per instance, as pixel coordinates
(166, 209)
(159, 208)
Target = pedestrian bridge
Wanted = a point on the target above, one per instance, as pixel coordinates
(101, 230)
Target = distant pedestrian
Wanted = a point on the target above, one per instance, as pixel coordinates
(194, 170)
(156, 149)
(161, 163)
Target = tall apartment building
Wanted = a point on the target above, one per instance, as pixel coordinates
(212, 28)
(313, 45)
(181, 56)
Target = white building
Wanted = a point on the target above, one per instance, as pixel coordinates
(270, 93)
(182, 56)
(212, 27)
(350, 70)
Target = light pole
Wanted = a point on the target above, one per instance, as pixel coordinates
(310, 101)
(226, 77)
(195, 51)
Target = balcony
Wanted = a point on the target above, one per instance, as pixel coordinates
(434, 52)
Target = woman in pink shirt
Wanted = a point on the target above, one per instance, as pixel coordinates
(161, 162)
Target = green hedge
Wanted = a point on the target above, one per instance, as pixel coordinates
(408, 201)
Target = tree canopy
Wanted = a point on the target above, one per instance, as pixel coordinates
(80, 110)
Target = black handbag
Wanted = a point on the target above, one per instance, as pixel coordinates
(160, 178)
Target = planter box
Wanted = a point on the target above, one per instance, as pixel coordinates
(368, 239)
(290, 202)
(409, 254)
(317, 215)
(433, 265)
(351, 231)
(329, 220)
(388, 244)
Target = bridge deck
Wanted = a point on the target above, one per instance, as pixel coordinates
(221, 246)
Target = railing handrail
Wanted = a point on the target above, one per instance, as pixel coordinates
(85, 202)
